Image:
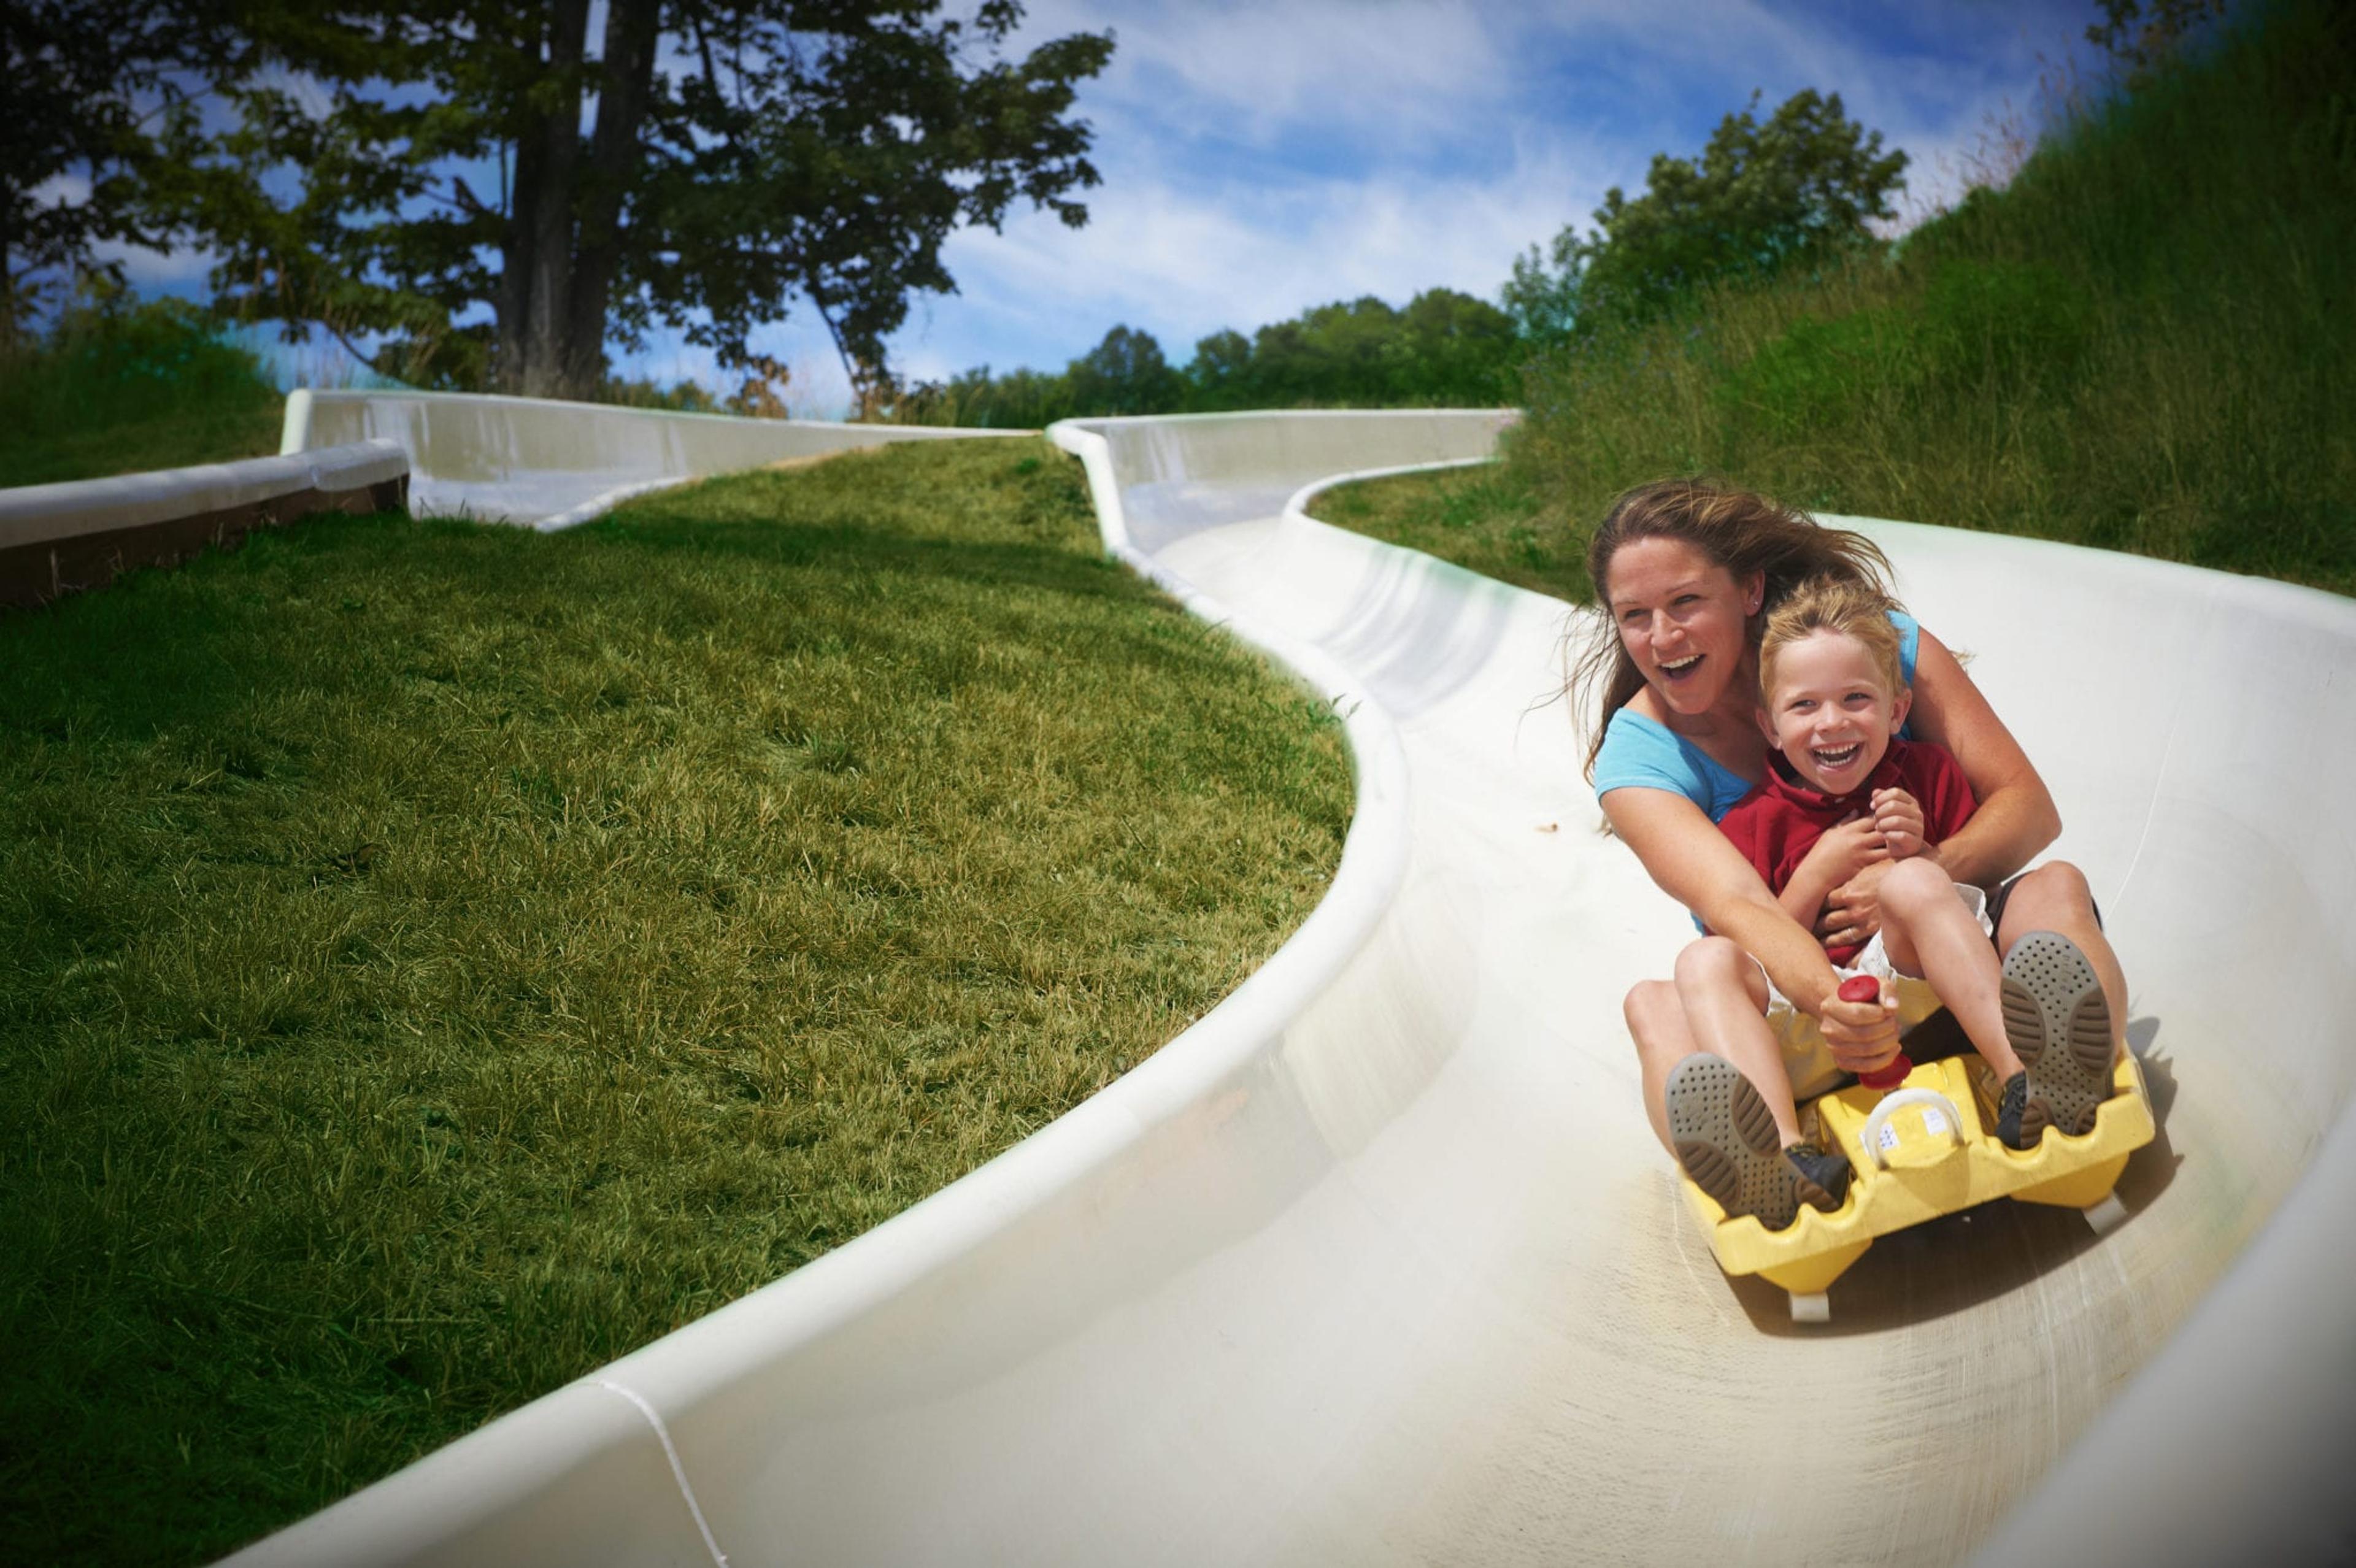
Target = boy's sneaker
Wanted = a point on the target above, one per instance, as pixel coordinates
(1824, 1178)
(2059, 1027)
(2010, 1107)
(1726, 1140)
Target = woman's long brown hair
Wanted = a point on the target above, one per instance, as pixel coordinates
(1737, 530)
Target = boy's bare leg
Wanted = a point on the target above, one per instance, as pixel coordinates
(1931, 932)
(2055, 897)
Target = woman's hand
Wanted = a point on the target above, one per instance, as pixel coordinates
(1899, 817)
(1863, 1035)
(1852, 912)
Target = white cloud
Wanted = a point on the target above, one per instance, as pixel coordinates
(1259, 162)
(1260, 159)
(67, 189)
(1257, 71)
(1184, 262)
(181, 271)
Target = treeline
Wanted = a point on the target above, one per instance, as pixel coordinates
(1793, 190)
(1446, 349)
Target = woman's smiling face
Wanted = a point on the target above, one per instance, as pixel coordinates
(1682, 618)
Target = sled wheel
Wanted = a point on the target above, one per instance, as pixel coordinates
(2104, 1216)
(1811, 1306)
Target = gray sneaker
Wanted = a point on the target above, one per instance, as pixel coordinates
(2060, 1025)
(1726, 1140)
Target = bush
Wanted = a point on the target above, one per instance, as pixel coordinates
(2021, 327)
(116, 387)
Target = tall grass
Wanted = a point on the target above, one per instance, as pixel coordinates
(117, 388)
(443, 958)
(2146, 342)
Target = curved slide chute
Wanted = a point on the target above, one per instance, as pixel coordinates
(1379, 1262)
(549, 464)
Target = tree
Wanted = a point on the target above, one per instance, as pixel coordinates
(1760, 197)
(1329, 352)
(1125, 374)
(90, 83)
(1221, 370)
(1541, 295)
(1445, 346)
(1457, 349)
(2140, 42)
(503, 194)
(1020, 400)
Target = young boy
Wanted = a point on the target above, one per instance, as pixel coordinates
(1842, 791)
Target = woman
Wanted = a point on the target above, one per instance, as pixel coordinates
(1685, 573)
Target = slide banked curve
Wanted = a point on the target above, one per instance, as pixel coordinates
(1387, 1267)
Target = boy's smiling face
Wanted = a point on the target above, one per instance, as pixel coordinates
(1830, 710)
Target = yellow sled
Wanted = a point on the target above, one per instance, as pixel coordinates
(1926, 1148)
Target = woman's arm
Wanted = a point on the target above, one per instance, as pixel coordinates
(2015, 817)
(1697, 864)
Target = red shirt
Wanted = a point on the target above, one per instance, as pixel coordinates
(1779, 820)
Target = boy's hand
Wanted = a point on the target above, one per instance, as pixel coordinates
(1844, 851)
(1899, 815)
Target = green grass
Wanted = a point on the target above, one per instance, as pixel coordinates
(444, 957)
(1488, 517)
(2146, 342)
(121, 388)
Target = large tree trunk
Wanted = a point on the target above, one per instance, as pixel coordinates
(563, 245)
(537, 260)
(632, 27)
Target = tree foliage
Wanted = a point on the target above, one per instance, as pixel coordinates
(90, 83)
(505, 195)
(1444, 348)
(1125, 374)
(2142, 39)
(1762, 196)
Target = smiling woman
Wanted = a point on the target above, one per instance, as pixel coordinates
(1690, 571)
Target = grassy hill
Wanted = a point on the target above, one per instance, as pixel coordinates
(444, 957)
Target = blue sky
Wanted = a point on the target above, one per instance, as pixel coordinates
(1259, 159)
(1262, 158)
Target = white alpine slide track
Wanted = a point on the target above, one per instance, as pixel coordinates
(1379, 1262)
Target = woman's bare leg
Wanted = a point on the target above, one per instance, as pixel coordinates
(1716, 1006)
(2055, 897)
(1929, 932)
(1656, 1019)
(1657, 1023)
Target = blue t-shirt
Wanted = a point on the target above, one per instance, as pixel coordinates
(1641, 753)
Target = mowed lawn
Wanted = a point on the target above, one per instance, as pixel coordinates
(442, 958)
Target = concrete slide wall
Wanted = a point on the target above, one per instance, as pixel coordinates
(550, 463)
(1380, 1263)
(59, 539)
